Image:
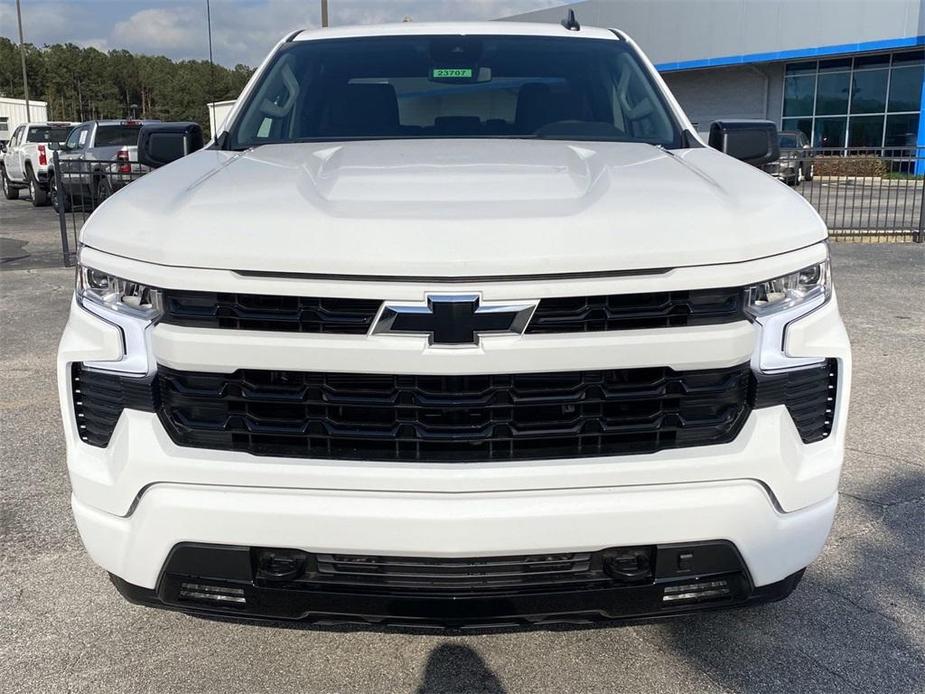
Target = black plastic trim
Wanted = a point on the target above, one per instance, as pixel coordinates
(808, 393)
(616, 601)
(100, 397)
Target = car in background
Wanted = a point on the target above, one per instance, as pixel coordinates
(98, 158)
(27, 159)
(796, 158)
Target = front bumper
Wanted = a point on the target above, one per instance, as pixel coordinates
(772, 545)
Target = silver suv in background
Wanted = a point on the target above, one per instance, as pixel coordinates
(97, 159)
(796, 158)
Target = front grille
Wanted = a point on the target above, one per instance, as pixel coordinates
(454, 418)
(417, 573)
(359, 573)
(355, 316)
(636, 311)
(272, 313)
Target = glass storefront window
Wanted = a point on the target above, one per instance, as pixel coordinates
(798, 95)
(865, 131)
(909, 58)
(868, 91)
(868, 101)
(865, 62)
(832, 93)
(830, 132)
(804, 124)
(808, 67)
(842, 64)
(905, 89)
(901, 131)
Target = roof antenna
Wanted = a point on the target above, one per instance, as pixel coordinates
(570, 22)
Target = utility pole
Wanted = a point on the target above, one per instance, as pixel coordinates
(22, 55)
(212, 125)
(324, 12)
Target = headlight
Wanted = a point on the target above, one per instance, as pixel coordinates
(775, 304)
(789, 291)
(132, 307)
(118, 294)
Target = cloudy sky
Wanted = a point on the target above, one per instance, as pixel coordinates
(242, 30)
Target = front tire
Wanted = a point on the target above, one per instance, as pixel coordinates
(103, 190)
(808, 174)
(10, 192)
(59, 198)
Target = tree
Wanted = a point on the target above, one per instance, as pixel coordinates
(85, 83)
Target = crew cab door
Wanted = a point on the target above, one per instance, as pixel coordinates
(75, 148)
(13, 159)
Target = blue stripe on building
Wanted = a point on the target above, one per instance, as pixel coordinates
(795, 54)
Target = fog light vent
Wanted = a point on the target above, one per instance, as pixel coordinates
(212, 594)
(697, 592)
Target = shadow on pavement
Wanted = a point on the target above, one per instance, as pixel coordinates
(855, 622)
(457, 668)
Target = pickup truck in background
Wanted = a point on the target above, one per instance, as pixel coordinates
(98, 158)
(27, 158)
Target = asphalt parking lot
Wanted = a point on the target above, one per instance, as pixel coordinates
(854, 624)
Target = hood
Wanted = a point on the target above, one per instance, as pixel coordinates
(453, 208)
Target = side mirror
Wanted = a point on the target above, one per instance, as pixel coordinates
(752, 141)
(162, 143)
(53, 146)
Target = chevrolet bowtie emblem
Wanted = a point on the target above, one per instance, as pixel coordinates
(454, 319)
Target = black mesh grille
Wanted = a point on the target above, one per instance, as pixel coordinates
(563, 571)
(99, 399)
(809, 395)
(355, 316)
(454, 418)
(273, 313)
(635, 311)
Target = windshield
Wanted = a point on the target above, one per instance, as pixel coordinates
(48, 134)
(455, 87)
(789, 141)
(117, 135)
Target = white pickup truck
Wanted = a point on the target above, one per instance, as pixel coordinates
(26, 159)
(455, 324)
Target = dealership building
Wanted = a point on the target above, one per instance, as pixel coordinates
(845, 72)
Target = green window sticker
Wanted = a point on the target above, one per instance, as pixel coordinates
(460, 73)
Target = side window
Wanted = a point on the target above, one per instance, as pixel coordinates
(71, 142)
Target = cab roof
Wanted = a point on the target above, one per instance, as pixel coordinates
(454, 28)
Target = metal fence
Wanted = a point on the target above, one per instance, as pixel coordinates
(863, 194)
(78, 186)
